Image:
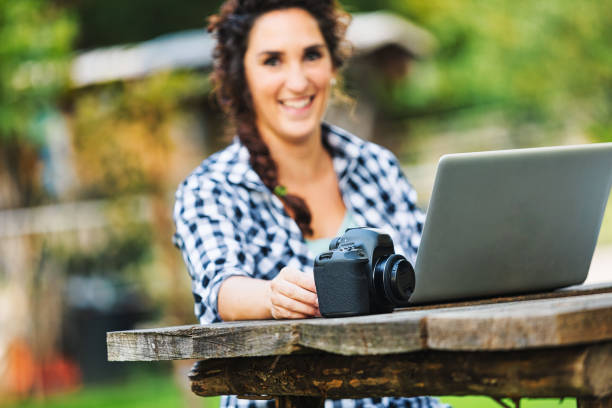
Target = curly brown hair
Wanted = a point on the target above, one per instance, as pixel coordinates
(232, 27)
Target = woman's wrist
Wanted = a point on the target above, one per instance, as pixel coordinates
(268, 298)
(244, 298)
(290, 295)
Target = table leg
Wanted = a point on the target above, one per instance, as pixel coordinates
(299, 402)
(588, 402)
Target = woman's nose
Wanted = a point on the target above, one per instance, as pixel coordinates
(297, 81)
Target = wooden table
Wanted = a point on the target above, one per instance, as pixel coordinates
(556, 344)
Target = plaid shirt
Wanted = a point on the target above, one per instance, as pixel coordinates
(228, 223)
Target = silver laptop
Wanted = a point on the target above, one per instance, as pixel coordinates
(513, 221)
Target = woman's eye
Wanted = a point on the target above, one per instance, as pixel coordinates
(272, 61)
(312, 55)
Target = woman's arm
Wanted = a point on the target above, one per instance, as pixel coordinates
(290, 295)
(222, 269)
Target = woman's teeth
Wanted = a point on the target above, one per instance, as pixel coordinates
(297, 104)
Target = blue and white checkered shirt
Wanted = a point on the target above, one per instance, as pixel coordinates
(228, 223)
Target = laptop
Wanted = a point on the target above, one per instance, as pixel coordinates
(513, 221)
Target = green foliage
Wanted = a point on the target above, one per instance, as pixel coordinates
(122, 251)
(120, 256)
(122, 132)
(538, 61)
(113, 22)
(35, 41)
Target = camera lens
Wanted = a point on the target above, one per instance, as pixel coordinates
(401, 279)
(394, 279)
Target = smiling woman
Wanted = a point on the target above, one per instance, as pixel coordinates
(270, 57)
(289, 71)
(251, 218)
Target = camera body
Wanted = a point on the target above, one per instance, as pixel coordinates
(362, 274)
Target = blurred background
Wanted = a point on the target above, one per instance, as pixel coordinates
(105, 107)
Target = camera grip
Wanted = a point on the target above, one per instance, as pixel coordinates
(342, 284)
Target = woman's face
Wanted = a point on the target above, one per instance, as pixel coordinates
(288, 70)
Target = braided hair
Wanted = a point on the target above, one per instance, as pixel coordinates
(232, 26)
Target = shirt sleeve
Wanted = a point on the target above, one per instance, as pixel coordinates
(211, 242)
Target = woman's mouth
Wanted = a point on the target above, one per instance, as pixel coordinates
(298, 105)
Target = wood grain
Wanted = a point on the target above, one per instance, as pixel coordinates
(511, 325)
(366, 335)
(299, 402)
(527, 324)
(589, 402)
(260, 338)
(569, 291)
(569, 371)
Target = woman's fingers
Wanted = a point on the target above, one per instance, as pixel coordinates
(304, 280)
(284, 305)
(293, 295)
(286, 314)
(293, 291)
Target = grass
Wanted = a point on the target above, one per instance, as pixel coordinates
(487, 402)
(161, 391)
(142, 391)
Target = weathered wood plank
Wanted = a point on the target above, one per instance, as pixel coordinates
(527, 324)
(499, 326)
(568, 371)
(588, 402)
(299, 402)
(374, 334)
(576, 290)
(489, 326)
(261, 338)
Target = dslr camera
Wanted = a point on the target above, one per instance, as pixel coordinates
(362, 274)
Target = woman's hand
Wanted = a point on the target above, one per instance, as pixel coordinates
(293, 295)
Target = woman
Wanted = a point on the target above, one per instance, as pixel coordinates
(251, 218)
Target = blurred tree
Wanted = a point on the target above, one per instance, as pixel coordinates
(125, 137)
(113, 22)
(122, 133)
(35, 42)
(537, 61)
